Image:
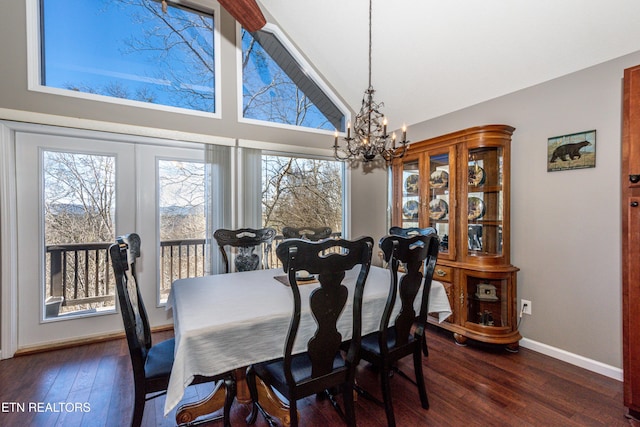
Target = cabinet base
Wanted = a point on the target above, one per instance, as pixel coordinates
(512, 348)
(461, 340)
(462, 336)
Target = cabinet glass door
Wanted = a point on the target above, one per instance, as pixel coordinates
(439, 202)
(485, 202)
(410, 201)
(488, 302)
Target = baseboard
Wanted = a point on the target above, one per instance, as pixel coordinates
(574, 359)
(59, 345)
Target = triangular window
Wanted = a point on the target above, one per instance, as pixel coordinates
(278, 85)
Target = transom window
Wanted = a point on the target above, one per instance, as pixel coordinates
(129, 50)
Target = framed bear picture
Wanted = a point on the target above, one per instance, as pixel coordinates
(573, 151)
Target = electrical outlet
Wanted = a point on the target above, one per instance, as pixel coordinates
(525, 307)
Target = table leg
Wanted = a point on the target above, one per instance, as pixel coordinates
(269, 401)
(190, 411)
(242, 389)
(272, 404)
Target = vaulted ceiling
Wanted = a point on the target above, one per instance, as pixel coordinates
(434, 57)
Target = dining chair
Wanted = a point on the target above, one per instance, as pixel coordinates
(242, 244)
(411, 231)
(310, 233)
(151, 363)
(321, 365)
(405, 336)
(408, 232)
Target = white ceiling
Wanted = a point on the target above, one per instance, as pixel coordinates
(434, 57)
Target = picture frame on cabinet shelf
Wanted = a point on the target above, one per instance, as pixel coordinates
(572, 151)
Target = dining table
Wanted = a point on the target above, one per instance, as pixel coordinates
(226, 322)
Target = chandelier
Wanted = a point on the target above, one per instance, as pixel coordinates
(370, 138)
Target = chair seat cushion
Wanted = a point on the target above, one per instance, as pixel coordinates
(160, 359)
(370, 342)
(300, 368)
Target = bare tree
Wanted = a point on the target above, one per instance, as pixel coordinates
(79, 208)
(80, 197)
(301, 192)
(181, 45)
(182, 199)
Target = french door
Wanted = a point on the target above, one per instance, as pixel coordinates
(76, 191)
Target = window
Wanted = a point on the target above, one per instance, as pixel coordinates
(129, 51)
(302, 192)
(278, 86)
(183, 222)
(79, 224)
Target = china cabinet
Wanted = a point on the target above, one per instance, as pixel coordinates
(459, 184)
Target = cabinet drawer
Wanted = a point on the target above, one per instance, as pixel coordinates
(442, 274)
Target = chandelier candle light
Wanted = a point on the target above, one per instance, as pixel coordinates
(370, 129)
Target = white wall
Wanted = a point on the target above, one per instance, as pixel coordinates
(369, 204)
(565, 226)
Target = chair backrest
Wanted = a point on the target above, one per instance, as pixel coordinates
(411, 231)
(310, 233)
(418, 254)
(124, 254)
(328, 300)
(244, 243)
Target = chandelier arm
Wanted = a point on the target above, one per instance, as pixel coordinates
(337, 156)
(353, 148)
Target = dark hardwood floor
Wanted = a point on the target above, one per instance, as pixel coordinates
(470, 386)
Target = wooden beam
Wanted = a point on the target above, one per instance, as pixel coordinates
(246, 12)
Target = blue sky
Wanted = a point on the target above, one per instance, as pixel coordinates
(84, 43)
(79, 42)
(85, 48)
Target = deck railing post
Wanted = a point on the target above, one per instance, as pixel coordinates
(55, 261)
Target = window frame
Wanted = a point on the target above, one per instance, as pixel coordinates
(35, 66)
(304, 66)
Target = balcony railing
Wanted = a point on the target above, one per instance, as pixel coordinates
(81, 274)
(180, 259)
(80, 277)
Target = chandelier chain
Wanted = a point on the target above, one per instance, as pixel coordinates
(370, 138)
(370, 43)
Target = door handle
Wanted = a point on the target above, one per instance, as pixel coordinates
(634, 204)
(634, 178)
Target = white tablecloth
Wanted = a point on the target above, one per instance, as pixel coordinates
(228, 321)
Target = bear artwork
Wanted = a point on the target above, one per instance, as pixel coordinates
(570, 150)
